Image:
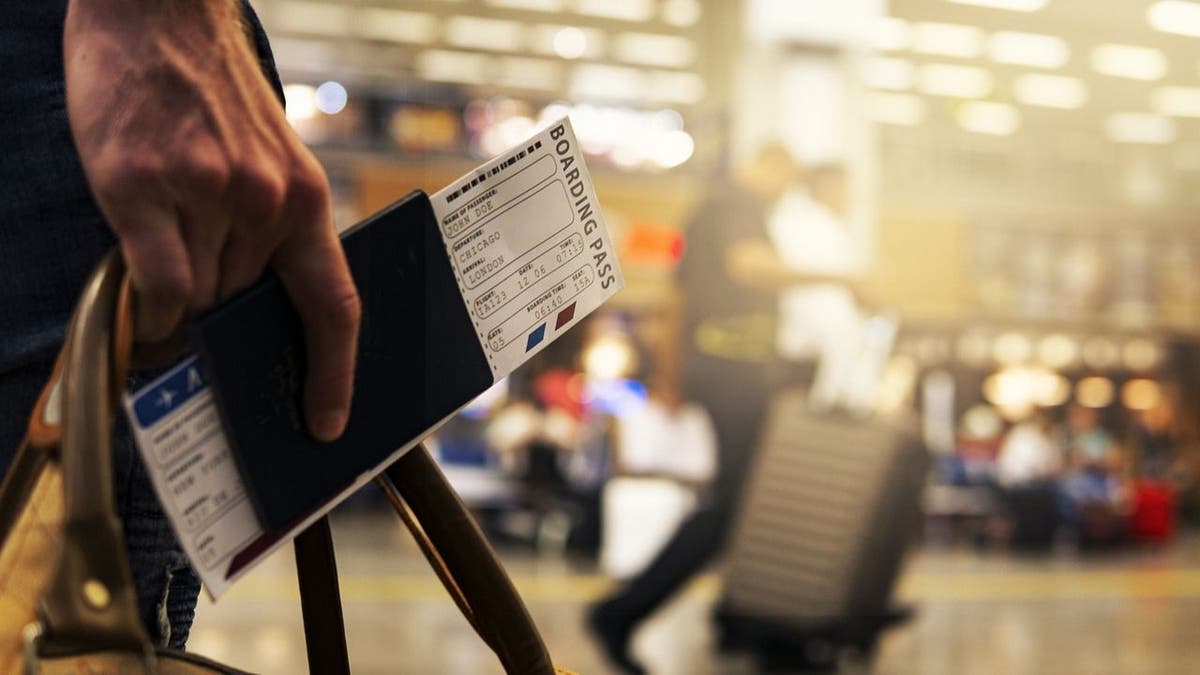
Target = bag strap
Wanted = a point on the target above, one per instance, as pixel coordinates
(90, 600)
(465, 562)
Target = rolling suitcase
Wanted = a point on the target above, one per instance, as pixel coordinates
(828, 511)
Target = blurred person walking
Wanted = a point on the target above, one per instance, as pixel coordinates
(156, 126)
(728, 275)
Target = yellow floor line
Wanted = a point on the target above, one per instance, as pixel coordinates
(917, 587)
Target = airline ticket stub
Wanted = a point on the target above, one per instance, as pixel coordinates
(528, 245)
(532, 257)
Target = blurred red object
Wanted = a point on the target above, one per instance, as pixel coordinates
(560, 388)
(1153, 510)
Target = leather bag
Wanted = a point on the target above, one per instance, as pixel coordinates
(67, 601)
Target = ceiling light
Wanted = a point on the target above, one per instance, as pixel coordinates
(1175, 16)
(948, 39)
(897, 109)
(1176, 101)
(1010, 5)
(1050, 91)
(883, 72)
(1128, 61)
(1029, 49)
(891, 34)
(944, 79)
(1140, 128)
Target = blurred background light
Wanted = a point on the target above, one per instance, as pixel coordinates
(1141, 394)
(570, 42)
(1058, 351)
(609, 356)
(331, 97)
(1094, 392)
(1175, 16)
(1130, 62)
(1028, 49)
(301, 102)
(1050, 91)
(947, 39)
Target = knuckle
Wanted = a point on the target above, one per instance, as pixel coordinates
(258, 191)
(125, 173)
(208, 176)
(310, 188)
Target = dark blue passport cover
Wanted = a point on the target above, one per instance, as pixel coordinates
(419, 360)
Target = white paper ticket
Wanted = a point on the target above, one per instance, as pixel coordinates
(176, 426)
(532, 257)
(528, 245)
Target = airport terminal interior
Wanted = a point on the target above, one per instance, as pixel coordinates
(907, 360)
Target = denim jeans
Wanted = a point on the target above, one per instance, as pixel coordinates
(51, 234)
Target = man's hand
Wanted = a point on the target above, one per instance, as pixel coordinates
(192, 161)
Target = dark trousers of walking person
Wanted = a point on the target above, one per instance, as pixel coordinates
(737, 409)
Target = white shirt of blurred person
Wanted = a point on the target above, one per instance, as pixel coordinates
(822, 320)
(1028, 454)
(675, 441)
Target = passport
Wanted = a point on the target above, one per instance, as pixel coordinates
(419, 361)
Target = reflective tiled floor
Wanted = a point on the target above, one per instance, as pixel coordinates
(1135, 613)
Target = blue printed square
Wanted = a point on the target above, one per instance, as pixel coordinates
(536, 337)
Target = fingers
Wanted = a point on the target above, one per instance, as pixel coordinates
(313, 269)
(257, 198)
(154, 250)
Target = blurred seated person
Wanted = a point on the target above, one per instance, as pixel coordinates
(1092, 479)
(1027, 468)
